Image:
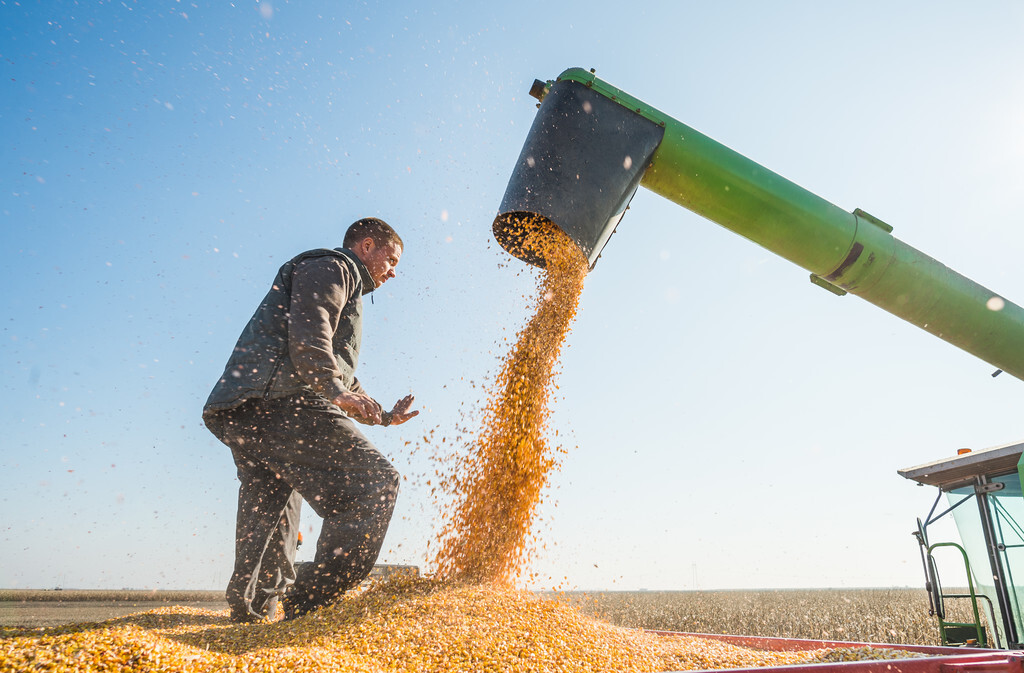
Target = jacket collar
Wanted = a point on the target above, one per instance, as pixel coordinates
(364, 273)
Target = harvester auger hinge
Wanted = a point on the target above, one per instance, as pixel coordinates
(831, 287)
(539, 90)
(884, 226)
(859, 214)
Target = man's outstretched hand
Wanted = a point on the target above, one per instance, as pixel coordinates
(358, 405)
(400, 414)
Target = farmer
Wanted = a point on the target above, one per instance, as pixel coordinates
(285, 406)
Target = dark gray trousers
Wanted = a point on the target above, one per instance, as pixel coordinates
(302, 445)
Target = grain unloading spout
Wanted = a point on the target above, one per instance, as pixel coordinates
(580, 166)
(591, 145)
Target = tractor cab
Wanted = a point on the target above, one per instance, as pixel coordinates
(982, 493)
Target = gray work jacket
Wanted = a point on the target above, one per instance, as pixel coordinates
(305, 334)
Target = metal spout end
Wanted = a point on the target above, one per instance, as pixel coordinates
(580, 165)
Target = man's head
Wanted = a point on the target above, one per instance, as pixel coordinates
(377, 245)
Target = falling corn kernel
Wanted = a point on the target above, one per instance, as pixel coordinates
(498, 484)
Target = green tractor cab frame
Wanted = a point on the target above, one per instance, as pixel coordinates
(992, 538)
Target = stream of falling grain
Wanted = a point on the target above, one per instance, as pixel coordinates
(499, 483)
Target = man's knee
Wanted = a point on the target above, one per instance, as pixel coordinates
(370, 494)
(214, 422)
(388, 481)
(392, 479)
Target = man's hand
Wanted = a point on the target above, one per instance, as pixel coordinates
(359, 405)
(400, 414)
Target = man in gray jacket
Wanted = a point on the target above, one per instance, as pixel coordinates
(285, 405)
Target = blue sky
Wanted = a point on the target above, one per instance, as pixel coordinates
(727, 424)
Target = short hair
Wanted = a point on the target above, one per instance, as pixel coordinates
(374, 228)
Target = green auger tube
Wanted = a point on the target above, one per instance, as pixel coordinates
(591, 145)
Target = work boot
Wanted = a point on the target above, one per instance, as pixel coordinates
(246, 617)
(271, 609)
(294, 608)
(265, 603)
(262, 608)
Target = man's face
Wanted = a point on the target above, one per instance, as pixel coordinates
(380, 260)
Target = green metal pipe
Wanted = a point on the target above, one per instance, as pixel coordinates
(845, 252)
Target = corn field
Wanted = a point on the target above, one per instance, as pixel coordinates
(107, 595)
(898, 616)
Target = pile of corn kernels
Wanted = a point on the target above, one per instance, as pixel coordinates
(404, 624)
